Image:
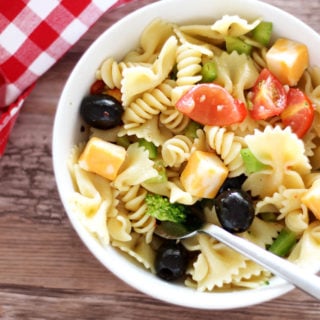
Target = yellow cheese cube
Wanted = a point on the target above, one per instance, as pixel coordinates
(204, 174)
(312, 199)
(287, 60)
(102, 157)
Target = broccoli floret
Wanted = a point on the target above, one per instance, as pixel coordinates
(160, 207)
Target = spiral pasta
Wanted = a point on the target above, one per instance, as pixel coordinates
(174, 120)
(133, 200)
(188, 65)
(259, 58)
(151, 103)
(200, 141)
(111, 72)
(188, 61)
(228, 146)
(176, 150)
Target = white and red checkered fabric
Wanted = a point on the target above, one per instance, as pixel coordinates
(34, 34)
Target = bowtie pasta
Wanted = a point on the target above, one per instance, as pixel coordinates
(149, 82)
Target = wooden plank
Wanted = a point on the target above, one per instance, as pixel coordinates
(45, 270)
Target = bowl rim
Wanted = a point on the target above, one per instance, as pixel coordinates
(109, 256)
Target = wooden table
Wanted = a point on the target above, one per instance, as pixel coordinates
(45, 270)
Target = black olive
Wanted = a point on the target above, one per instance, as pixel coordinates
(101, 111)
(171, 260)
(233, 183)
(235, 210)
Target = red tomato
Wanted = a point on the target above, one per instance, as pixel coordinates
(299, 112)
(97, 87)
(211, 104)
(269, 97)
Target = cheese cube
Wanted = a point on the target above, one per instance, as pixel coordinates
(102, 157)
(204, 174)
(311, 199)
(287, 60)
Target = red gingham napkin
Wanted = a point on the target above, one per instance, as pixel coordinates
(34, 34)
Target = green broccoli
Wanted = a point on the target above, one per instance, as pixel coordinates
(150, 147)
(160, 207)
(251, 163)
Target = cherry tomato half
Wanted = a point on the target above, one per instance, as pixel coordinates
(299, 112)
(211, 104)
(269, 97)
(97, 87)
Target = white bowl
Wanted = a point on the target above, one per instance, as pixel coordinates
(123, 36)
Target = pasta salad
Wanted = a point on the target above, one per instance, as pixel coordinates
(193, 114)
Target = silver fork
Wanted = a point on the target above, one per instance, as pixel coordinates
(308, 282)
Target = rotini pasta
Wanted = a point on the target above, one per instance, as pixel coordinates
(150, 104)
(176, 150)
(227, 146)
(174, 120)
(259, 58)
(189, 65)
(133, 200)
(111, 72)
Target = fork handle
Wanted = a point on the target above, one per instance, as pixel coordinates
(307, 282)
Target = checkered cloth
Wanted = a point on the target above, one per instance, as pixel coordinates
(34, 34)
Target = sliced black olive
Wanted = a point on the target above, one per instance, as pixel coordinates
(233, 183)
(235, 210)
(101, 111)
(171, 260)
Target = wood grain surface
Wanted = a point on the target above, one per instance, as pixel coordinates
(45, 270)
